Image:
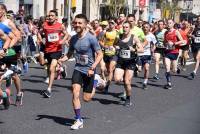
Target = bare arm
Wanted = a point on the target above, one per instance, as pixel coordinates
(66, 35)
(139, 47)
(15, 31)
(99, 56)
(6, 39)
(181, 41)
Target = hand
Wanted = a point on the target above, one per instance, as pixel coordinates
(131, 48)
(90, 73)
(170, 43)
(63, 59)
(61, 42)
(2, 54)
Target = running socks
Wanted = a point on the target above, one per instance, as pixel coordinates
(77, 113)
(168, 77)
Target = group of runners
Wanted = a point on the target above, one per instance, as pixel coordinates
(120, 47)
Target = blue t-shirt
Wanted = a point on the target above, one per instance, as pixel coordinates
(6, 29)
(85, 49)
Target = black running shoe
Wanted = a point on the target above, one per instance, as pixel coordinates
(106, 89)
(127, 103)
(178, 71)
(192, 75)
(168, 86)
(6, 102)
(63, 73)
(144, 86)
(156, 77)
(19, 99)
(47, 94)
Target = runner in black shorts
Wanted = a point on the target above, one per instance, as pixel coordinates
(88, 55)
(128, 46)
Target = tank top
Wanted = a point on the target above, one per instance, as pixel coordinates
(196, 40)
(109, 41)
(160, 38)
(125, 53)
(6, 29)
(184, 35)
(53, 37)
(171, 36)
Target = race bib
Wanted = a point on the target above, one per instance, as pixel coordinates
(53, 37)
(110, 50)
(82, 59)
(125, 54)
(197, 40)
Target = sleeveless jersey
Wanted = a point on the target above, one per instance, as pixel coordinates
(109, 41)
(184, 35)
(196, 40)
(160, 38)
(171, 36)
(53, 37)
(6, 29)
(124, 51)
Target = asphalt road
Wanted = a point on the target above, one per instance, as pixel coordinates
(155, 111)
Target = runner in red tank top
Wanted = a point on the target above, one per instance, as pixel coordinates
(55, 36)
(172, 42)
(184, 31)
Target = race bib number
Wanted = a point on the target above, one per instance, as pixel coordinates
(125, 54)
(197, 40)
(53, 37)
(109, 51)
(82, 59)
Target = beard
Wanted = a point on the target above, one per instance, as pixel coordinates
(78, 29)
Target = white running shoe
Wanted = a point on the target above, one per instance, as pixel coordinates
(77, 124)
(47, 80)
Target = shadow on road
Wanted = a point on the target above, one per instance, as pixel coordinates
(36, 91)
(153, 85)
(106, 101)
(59, 120)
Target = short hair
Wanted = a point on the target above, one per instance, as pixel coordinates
(161, 21)
(3, 6)
(54, 11)
(145, 23)
(131, 15)
(82, 16)
(128, 23)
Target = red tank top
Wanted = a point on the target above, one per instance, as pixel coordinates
(184, 35)
(53, 37)
(171, 36)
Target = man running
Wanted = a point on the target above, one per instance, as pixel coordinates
(88, 55)
(53, 31)
(196, 47)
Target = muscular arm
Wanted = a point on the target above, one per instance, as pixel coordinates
(6, 39)
(66, 35)
(15, 31)
(99, 56)
(139, 48)
(181, 41)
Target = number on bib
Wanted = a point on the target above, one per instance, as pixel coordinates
(53, 37)
(125, 54)
(197, 40)
(82, 59)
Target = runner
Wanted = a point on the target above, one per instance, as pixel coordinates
(172, 41)
(196, 47)
(159, 47)
(86, 46)
(110, 58)
(146, 56)
(128, 46)
(53, 47)
(10, 29)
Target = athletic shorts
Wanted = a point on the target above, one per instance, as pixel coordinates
(9, 60)
(171, 56)
(184, 48)
(108, 59)
(83, 80)
(17, 48)
(52, 55)
(142, 60)
(126, 65)
(195, 49)
(161, 51)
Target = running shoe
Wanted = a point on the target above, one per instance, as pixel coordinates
(77, 124)
(19, 99)
(168, 86)
(122, 95)
(127, 103)
(178, 71)
(47, 94)
(144, 86)
(106, 89)
(63, 72)
(6, 101)
(192, 75)
(156, 77)
(46, 80)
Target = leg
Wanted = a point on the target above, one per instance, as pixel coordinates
(52, 73)
(127, 85)
(118, 74)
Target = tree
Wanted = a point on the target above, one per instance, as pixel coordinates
(116, 7)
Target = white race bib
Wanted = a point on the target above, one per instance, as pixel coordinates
(125, 54)
(53, 37)
(197, 40)
(82, 59)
